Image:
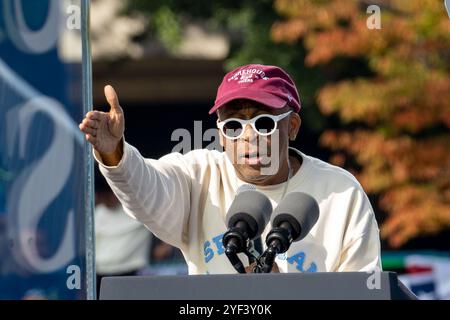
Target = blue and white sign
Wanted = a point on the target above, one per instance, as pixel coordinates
(46, 242)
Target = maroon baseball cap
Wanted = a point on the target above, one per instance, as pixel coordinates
(268, 85)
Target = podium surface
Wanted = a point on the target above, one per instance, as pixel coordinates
(283, 286)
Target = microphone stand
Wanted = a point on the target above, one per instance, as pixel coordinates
(234, 242)
(264, 263)
(231, 254)
(278, 241)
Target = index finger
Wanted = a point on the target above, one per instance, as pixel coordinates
(93, 115)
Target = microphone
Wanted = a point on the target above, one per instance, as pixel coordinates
(291, 220)
(246, 219)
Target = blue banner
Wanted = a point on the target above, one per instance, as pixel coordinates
(46, 242)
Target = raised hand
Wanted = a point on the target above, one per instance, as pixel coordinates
(104, 130)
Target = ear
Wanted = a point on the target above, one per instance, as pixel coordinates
(294, 126)
(221, 139)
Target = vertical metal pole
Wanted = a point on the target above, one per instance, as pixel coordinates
(89, 169)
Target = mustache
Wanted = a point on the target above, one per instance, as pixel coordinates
(253, 150)
(254, 153)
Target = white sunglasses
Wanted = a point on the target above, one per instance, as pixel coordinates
(264, 125)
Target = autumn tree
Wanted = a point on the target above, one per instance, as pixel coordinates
(395, 116)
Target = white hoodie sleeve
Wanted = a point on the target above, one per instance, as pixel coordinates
(361, 243)
(155, 192)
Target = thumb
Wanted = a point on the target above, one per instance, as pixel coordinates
(113, 100)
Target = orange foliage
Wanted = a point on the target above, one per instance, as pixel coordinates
(402, 109)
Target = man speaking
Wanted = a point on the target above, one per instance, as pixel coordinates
(183, 199)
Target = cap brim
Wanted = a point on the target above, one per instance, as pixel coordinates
(265, 98)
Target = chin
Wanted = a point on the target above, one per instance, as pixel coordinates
(252, 175)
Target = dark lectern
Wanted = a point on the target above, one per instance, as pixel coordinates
(290, 286)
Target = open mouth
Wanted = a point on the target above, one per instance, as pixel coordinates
(252, 158)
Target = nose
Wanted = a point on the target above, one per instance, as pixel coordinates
(249, 133)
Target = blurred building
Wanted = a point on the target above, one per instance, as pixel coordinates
(160, 91)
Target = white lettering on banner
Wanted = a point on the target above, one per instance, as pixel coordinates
(26, 39)
(44, 39)
(48, 174)
(38, 185)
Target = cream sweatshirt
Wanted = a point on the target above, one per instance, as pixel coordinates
(183, 200)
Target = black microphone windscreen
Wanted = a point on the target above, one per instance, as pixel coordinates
(251, 206)
(300, 210)
(246, 187)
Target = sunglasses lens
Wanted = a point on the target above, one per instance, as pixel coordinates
(232, 128)
(265, 125)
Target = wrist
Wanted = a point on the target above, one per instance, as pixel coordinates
(112, 159)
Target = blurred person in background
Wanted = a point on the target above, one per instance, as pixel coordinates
(122, 244)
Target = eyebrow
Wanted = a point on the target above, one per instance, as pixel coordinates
(235, 111)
